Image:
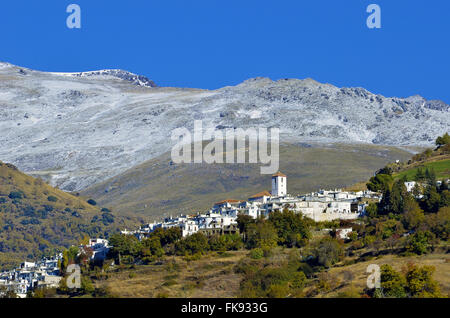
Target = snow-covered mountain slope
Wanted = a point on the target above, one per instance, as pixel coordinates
(120, 74)
(77, 130)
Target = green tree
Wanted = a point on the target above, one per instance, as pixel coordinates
(412, 218)
(432, 199)
(328, 252)
(380, 183)
(69, 257)
(7, 292)
(124, 245)
(52, 198)
(151, 249)
(420, 282)
(292, 228)
(430, 177)
(372, 210)
(393, 283)
(420, 175)
(193, 244)
(225, 242)
(420, 242)
(444, 140)
(243, 221)
(397, 197)
(91, 202)
(167, 236)
(261, 234)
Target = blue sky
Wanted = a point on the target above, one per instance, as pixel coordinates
(212, 43)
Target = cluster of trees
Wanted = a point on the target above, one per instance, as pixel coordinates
(413, 281)
(284, 228)
(443, 140)
(128, 249)
(443, 147)
(415, 221)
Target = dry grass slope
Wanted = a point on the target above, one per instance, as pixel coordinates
(37, 219)
(158, 188)
(211, 276)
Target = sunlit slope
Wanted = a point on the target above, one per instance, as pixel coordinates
(37, 219)
(159, 187)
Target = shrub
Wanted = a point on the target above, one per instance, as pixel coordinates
(229, 242)
(167, 236)
(195, 243)
(256, 253)
(392, 283)
(444, 140)
(328, 252)
(415, 282)
(16, 195)
(262, 234)
(92, 202)
(107, 218)
(420, 283)
(292, 228)
(52, 198)
(420, 242)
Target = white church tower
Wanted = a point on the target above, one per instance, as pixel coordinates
(279, 184)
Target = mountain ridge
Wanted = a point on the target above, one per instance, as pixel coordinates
(76, 131)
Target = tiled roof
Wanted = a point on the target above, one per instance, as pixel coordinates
(279, 174)
(260, 194)
(227, 201)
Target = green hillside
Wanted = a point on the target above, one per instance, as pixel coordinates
(157, 188)
(37, 220)
(440, 167)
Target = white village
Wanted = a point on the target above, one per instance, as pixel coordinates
(320, 206)
(324, 205)
(45, 273)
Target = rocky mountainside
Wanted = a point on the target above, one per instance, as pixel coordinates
(120, 74)
(76, 130)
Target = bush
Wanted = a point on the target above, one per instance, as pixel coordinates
(92, 202)
(292, 228)
(229, 242)
(420, 243)
(52, 198)
(167, 236)
(262, 234)
(107, 218)
(16, 195)
(328, 252)
(380, 183)
(415, 282)
(444, 140)
(420, 282)
(256, 253)
(195, 243)
(392, 282)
